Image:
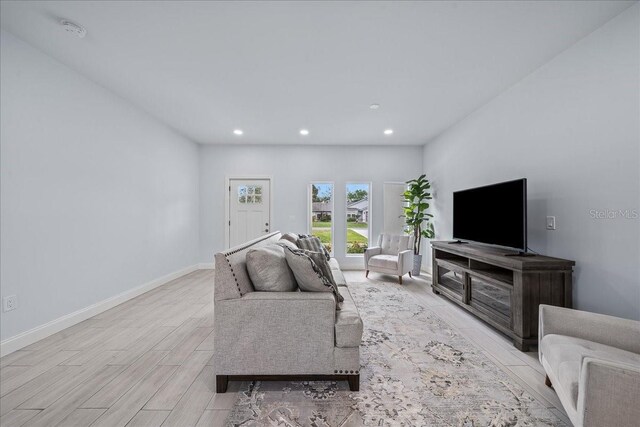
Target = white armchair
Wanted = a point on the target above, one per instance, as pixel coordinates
(393, 255)
(593, 363)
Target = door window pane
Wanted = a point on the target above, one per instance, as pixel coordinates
(242, 194)
(358, 217)
(250, 194)
(322, 213)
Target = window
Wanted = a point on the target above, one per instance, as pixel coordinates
(249, 194)
(321, 206)
(358, 217)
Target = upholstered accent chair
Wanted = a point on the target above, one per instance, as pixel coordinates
(281, 335)
(593, 363)
(393, 255)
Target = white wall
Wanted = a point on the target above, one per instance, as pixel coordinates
(293, 168)
(572, 128)
(97, 197)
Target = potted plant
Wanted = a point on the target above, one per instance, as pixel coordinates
(417, 220)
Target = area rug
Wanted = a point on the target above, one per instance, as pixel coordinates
(416, 370)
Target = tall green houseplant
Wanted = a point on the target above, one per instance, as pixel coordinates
(417, 220)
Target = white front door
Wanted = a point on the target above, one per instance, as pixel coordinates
(249, 215)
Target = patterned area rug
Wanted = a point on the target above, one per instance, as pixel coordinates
(416, 371)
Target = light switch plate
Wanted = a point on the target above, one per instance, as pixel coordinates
(551, 223)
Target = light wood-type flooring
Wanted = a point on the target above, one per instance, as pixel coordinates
(147, 362)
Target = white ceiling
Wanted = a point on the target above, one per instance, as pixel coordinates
(272, 68)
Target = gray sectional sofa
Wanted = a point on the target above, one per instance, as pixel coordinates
(281, 335)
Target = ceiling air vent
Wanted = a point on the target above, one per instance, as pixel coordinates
(73, 28)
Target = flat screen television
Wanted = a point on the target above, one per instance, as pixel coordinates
(494, 214)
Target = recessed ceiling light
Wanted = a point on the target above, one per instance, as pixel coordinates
(73, 28)
(388, 131)
(374, 106)
(238, 132)
(304, 132)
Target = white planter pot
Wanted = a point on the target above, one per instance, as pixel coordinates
(417, 263)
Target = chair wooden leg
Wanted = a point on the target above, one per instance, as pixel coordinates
(547, 381)
(221, 383)
(400, 279)
(354, 382)
(410, 274)
(366, 274)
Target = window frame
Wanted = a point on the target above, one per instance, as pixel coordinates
(333, 211)
(346, 214)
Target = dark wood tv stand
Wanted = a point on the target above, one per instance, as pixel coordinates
(504, 291)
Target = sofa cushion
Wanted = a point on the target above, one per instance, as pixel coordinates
(309, 276)
(564, 356)
(291, 237)
(338, 278)
(287, 242)
(348, 323)
(390, 262)
(269, 271)
(231, 275)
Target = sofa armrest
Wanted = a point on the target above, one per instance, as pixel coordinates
(608, 330)
(405, 261)
(369, 252)
(609, 393)
(275, 333)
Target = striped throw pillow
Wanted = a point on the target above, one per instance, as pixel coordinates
(312, 243)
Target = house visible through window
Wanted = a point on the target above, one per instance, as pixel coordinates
(321, 200)
(358, 217)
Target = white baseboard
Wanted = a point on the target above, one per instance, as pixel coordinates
(26, 338)
(206, 266)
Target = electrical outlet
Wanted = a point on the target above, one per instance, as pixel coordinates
(10, 303)
(551, 223)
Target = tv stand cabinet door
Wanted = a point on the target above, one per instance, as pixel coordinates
(491, 299)
(451, 281)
